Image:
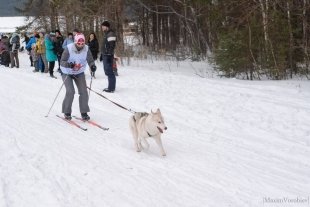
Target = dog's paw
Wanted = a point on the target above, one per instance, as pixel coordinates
(163, 154)
(138, 147)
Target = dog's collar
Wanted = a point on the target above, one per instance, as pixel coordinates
(150, 134)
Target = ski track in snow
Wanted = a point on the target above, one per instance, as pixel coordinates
(229, 142)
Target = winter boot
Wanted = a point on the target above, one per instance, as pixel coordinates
(85, 117)
(68, 116)
(108, 90)
(52, 76)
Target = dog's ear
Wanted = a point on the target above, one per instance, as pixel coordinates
(152, 112)
(137, 115)
(158, 110)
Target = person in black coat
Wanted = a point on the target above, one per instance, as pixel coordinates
(26, 40)
(58, 46)
(93, 46)
(107, 55)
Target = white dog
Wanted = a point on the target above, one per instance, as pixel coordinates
(144, 125)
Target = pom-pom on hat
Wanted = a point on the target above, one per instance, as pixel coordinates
(105, 23)
(79, 38)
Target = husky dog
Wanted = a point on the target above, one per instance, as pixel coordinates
(144, 125)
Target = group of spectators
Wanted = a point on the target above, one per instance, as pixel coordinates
(9, 46)
(45, 49)
(72, 53)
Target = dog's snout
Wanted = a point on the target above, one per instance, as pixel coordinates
(166, 128)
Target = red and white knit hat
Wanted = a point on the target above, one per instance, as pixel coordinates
(79, 38)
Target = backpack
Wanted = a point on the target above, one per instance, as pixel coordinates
(17, 42)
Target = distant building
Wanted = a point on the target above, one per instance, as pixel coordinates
(130, 28)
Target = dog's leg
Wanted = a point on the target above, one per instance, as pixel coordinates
(138, 147)
(137, 143)
(160, 145)
(147, 145)
(134, 132)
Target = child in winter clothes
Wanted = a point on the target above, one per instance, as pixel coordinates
(114, 66)
(34, 54)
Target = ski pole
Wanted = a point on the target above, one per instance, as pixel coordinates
(63, 83)
(91, 81)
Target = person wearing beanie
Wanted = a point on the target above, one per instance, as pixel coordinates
(74, 60)
(107, 55)
(106, 24)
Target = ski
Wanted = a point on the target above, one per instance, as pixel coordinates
(72, 123)
(92, 123)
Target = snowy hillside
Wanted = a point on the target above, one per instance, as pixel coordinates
(229, 142)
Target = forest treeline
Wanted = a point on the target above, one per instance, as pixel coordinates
(245, 38)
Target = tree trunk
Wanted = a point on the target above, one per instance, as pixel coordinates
(290, 55)
(305, 34)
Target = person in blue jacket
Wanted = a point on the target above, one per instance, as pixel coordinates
(29, 44)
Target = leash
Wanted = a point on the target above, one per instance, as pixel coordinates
(131, 111)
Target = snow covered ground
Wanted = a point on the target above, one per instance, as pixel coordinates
(229, 142)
